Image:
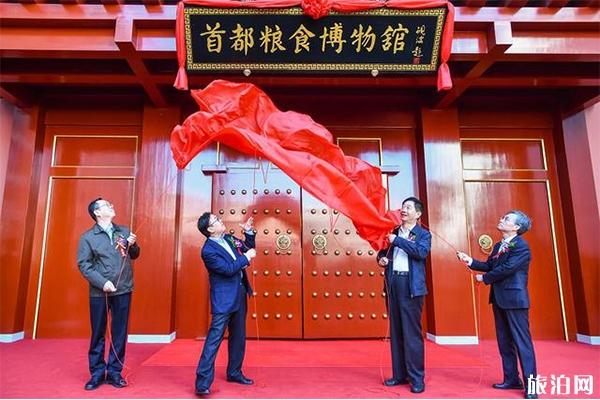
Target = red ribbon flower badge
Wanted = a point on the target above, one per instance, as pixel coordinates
(236, 243)
(120, 244)
(504, 249)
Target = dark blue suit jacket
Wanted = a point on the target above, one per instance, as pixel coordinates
(226, 275)
(417, 250)
(508, 274)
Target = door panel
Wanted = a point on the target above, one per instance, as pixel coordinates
(75, 170)
(312, 289)
(343, 286)
(64, 304)
(531, 198)
(275, 274)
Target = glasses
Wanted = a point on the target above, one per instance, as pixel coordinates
(105, 204)
(217, 219)
(507, 218)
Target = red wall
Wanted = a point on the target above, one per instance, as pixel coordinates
(170, 292)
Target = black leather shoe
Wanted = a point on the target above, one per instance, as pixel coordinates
(506, 385)
(530, 395)
(117, 381)
(395, 382)
(93, 383)
(242, 380)
(417, 388)
(202, 392)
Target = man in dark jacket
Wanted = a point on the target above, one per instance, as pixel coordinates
(104, 258)
(404, 262)
(226, 259)
(507, 269)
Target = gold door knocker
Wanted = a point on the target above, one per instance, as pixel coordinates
(319, 243)
(283, 242)
(485, 243)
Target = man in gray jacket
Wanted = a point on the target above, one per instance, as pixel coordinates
(104, 257)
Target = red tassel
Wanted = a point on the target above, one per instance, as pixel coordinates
(181, 81)
(444, 81)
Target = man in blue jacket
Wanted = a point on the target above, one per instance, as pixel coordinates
(226, 259)
(404, 262)
(506, 270)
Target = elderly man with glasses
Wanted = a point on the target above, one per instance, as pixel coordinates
(104, 258)
(226, 259)
(507, 271)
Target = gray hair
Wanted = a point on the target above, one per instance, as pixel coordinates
(522, 220)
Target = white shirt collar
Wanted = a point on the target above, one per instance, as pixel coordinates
(105, 227)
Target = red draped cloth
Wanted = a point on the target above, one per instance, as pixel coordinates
(243, 117)
(317, 9)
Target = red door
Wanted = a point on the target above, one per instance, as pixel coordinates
(83, 163)
(509, 169)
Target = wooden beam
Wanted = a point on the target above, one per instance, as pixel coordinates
(535, 82)
(95, 79)
(124, 39)
(13, 12)
(60, 78)
(578, 104)
(499, 40)
(555, 3)
(17, 96)
(515, 3)
(474, 3)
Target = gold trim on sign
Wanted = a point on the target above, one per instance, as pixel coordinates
(53, 156)
(542, 148)
(45, 235)
(554, 242)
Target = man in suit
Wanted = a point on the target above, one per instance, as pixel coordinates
(104, 258)
(404, 262)
(506, 270)
(226, 259)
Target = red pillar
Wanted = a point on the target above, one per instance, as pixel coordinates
(450, 305)
(154, 223)
(17, 211)
(581, 147)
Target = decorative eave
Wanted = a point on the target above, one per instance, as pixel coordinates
(126, 45)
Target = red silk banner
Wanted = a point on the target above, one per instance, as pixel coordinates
(243, 117)
(317, 9)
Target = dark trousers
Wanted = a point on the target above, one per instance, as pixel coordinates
(236, 344)
(119, 312)
(406, 337)
(514, 338)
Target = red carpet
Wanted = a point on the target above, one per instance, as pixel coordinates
(282, 369)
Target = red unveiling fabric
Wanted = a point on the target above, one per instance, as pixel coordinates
(317, 9)
(243, 117)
